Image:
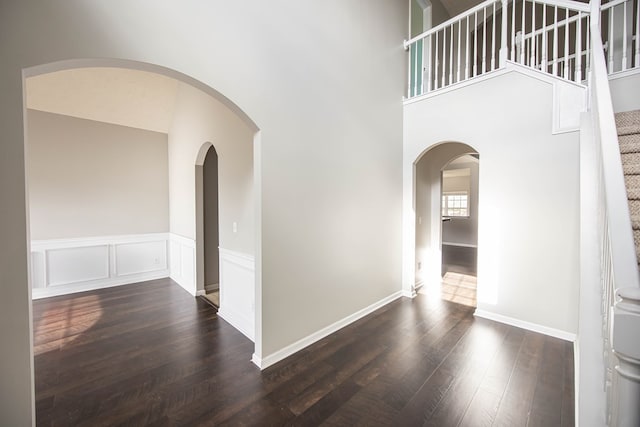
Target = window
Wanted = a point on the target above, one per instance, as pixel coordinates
(455, 203)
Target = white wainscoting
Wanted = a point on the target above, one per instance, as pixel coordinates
(237, 291)
(63, 266)
(182, 253)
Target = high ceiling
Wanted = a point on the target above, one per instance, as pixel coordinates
(119, 96)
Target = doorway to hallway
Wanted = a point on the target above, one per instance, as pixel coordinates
(459, 218)
(211, 227)
(446, 207)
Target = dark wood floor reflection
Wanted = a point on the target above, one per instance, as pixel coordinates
(150, 354)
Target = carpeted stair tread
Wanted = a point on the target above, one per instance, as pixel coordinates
(628, 118)
(631, 168)
(632, 181)
(629, 143)
(629, 130)
(634, 207)
(633, 193)
(630, 158)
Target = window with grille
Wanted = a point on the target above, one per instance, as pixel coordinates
(455, 204)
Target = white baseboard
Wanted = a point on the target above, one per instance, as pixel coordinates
(407, 294)
(552, 332)
(102, 284)
(287, 351)
(201, 292)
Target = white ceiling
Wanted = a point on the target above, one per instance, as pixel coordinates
(119, 96)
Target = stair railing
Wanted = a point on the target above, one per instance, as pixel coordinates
(620, 30)
(551, 36)
(454, 51)
(619, 270)
(541, 34)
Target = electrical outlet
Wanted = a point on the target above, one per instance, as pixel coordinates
(419, 265)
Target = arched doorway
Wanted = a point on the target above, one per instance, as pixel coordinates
(208, 223)
(182, 249)
(446, 218)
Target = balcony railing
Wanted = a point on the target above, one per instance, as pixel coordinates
(551, 36)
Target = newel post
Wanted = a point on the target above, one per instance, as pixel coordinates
(504, 36)
(625, 341)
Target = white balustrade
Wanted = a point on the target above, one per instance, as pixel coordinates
(620, 20)
(551, 36)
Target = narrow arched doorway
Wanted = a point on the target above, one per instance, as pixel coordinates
(446, 222)
(459, 218)
(211, 227)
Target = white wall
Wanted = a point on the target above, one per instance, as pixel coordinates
(198, 118)
(323, 81)
(528, 231)
(201, 121)
(625, 91)
(88, 178)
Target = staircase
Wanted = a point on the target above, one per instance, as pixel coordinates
(628, 125)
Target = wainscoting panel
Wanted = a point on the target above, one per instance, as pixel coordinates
(63, 266)
(142, 257)
(237, 291)
(182, 253)
(75, 265)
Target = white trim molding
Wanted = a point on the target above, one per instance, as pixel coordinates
(287, 351)
(545, 330)
(64, 266)
(182, 267)
(237, 291)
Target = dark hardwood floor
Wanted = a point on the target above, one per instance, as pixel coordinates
(151, 354)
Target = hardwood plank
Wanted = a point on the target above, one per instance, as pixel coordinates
(151, 354)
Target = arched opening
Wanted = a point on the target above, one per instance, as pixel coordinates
(207, 227)
(446, 222)
(177, 246)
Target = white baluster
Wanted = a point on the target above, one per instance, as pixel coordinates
(451, 56)
(636, 63)
(543, 59)
(625, 410)
(475, 44)
(624, 36)
(566, 46)
(534, 39)
(437, 61)
(429, 40)
(522, 49)
(554, 67)
(444, 57)
(513, 31)
(611, 15)
(409, 77)
(484, 41)
(467, 53)
(588, 69)
(420, 43)
(459, 48)
(504, 50)
(578, 75)
(493, 38)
